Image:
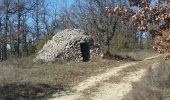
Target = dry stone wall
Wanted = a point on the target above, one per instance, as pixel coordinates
(65, 46)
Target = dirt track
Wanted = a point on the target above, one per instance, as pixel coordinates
(102, 87)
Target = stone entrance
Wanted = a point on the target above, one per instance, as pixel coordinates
(85, 50)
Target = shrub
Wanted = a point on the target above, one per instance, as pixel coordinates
(155, 85)
(40, 43)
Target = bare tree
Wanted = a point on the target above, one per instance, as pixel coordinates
(94, 18)
(5, 6)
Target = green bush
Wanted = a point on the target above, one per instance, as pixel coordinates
(31, 48)
(123, 42)
(41, 42)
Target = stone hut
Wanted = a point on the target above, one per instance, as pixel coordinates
(70, 44)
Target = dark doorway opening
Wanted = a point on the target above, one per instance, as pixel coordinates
(85, 50)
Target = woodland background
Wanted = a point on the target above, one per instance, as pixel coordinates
(26, 25)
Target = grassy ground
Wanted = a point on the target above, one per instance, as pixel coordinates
(22, 79)
(155, 85)
(116, 79)
(125, 72)
(137, 54)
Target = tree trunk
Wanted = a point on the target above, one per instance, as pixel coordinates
(18, 35)
(24, 39)
(4, 51)
(1, 40)
(37, 20)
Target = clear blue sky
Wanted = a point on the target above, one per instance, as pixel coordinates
(55, 5)
(60, 2)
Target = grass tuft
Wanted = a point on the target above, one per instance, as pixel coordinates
(155, 85)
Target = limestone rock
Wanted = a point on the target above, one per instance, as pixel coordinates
(65, 46)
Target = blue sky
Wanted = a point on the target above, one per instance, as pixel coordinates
(60, 2)
(57, 5)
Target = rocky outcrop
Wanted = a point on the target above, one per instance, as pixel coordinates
(65, 46)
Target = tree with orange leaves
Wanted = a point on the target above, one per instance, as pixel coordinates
(148, 16)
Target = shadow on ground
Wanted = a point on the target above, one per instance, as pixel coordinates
(110, 56)
(28, 91)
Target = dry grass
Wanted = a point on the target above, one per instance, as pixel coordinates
(138, 54)
(117, 78)
(88, 93)
(154, 86)
(126, 71)
(22, 79)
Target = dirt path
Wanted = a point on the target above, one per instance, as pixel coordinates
(101, 87)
